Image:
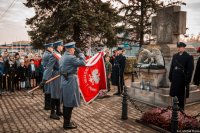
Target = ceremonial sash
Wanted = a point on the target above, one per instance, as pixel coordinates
(57, 55)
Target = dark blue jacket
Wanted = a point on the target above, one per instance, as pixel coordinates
(2, 69)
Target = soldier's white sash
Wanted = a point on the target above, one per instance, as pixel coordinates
(57, 55)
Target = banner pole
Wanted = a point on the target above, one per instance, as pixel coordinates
(48, 81)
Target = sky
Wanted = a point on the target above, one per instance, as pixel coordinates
(13, 27)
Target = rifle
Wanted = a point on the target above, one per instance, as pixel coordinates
(48, 81)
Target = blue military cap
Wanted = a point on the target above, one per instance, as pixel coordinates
(58, 43)
(181, 44)
(48, 45)
(70, 45)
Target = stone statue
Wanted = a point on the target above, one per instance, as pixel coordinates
(158, 58)
(150, 59)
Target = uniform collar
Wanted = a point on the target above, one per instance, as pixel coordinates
(182, 53)
(56, 51)
(48, 51)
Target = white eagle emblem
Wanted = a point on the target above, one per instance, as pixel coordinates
(95, 77)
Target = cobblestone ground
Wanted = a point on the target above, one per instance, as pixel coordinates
(21, 113)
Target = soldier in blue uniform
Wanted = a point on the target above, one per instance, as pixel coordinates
(55, 84)
(47, 62)
(70, 95)
(180, 74)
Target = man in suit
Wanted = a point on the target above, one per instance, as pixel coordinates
(69, 85)
(48, 65)
(180, 74)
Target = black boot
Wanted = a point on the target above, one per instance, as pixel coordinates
(119, 91)
(67, 112)
(53, 114)
(47, 101)
(58, 112)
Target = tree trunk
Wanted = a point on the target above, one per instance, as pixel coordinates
(142, 23)
(76, 35)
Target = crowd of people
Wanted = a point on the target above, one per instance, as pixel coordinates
(19, 73)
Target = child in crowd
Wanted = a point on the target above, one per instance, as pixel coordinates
(26, 63)
(108, 67)
(32, 71)
(22, 72)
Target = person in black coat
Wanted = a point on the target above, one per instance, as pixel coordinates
(11, 68)
(32, 73)
(22, 74)
(112, 58)
(2, 73)
(5, 59)
(196, 79)
(180, 74)
(118, 71)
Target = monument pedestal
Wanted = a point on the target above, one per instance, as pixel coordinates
(155, 77)
(160, 96)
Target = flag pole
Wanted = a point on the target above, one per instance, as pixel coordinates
(48, 81)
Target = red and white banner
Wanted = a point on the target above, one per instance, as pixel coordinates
(92, 77)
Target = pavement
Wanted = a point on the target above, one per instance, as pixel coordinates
(21, 113)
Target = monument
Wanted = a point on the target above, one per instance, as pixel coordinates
(153, 86)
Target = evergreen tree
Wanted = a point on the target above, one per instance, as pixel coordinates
(83, 21)
(137, 16)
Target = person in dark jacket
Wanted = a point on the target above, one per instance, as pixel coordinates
(26, 63)
(11, 67)
(22, 71)
(5, 59)
(180, 74)
(2, 73)
(32, 73)
(37, 63)
(196, 79)
(118, 71)
(40, 69)
(16, 81)
(112, 58)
